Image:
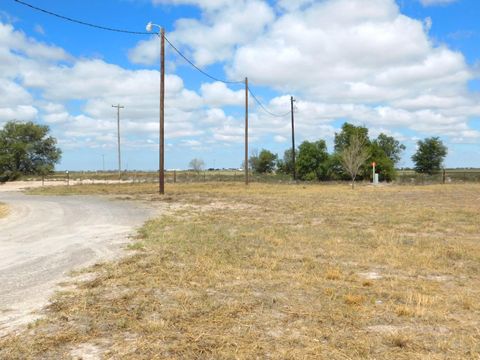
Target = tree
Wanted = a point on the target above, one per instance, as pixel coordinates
(391, 147)
(384, 165)
(285, 165)
(342, 139)
(196, 164)
(341, 142)
(311, 160)
(263, 162)
(430, 155)
(26, 149)
(354, 156)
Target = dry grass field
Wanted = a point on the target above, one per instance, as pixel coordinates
(3, 210)
(278, 272)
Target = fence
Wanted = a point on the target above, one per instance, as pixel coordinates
(444, 177)
(404, 177)
(98, 177)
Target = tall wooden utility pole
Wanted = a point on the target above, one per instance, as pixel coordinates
(162, 113)
(293, 138)
(118, 140)
(246, 131)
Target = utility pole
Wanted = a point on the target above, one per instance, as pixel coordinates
(293, 137)
(103, 162)
(161, 174)
(118, 138)
(246, 131)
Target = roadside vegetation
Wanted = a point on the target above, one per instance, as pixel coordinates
(278, 271)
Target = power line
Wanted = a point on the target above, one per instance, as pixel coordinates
(196, 67)
(264, 108)
(106, 28)
(82, 22)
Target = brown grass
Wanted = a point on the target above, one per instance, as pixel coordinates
(3, 210)
(280, 272)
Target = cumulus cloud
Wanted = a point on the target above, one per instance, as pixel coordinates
(224, 25)
(31, 67)
(218, 94)
(363, 62)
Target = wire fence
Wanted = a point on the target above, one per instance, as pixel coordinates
(174, 176)
(442, 177)
(404, 177)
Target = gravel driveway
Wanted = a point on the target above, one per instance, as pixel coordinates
(45, 237)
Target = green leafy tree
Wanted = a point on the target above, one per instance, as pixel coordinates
(285, 165)
(390, 146)
(26, 149)
(430, 155)
(264, 162)
(312, 160)
(384, 165)
(349, 131)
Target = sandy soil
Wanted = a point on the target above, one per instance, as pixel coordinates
(45, 237)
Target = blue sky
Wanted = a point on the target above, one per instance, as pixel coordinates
(409, 68)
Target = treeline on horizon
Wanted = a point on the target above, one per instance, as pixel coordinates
(313, 162)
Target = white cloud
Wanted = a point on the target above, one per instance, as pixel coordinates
(436, 2)
(18, 112)
(225, 24)
(146, 52)
(39, 29)
(428, 24)
(218, 94)
(29, 67)
(17, 41)
(348, 60)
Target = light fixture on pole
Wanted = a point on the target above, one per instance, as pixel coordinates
(161, 175)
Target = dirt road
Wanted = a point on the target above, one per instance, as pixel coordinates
(44, 237)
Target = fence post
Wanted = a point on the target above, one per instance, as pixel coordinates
(68, 178)
(43, 179)
(204, 178)
(174, 176)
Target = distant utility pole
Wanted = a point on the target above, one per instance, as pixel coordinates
(118, 138)
(246, 131)
(293, 137)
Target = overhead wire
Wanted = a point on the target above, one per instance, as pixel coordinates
(196, 67)
(80, 21)
(264, 108)
(126, 32)
(106, 28)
